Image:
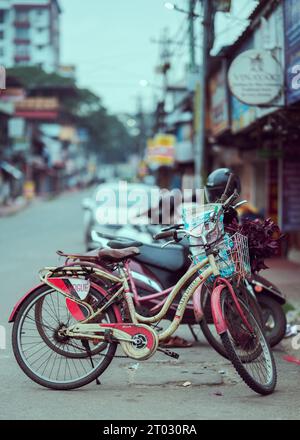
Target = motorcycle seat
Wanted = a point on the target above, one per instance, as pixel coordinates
(172, 258)
(123, 244)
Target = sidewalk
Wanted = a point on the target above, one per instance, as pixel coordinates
(13, 208)
(286, 276)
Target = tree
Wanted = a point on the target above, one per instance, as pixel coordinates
(108, 135)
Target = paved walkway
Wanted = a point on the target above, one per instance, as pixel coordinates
(286, 276)
(13, 208)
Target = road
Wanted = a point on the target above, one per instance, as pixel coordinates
(155, 390)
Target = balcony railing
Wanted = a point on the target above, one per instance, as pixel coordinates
(25, 24)
(24, 58)
(22, 41)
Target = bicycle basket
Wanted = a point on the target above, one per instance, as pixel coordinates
(232, 259)
(239, 255)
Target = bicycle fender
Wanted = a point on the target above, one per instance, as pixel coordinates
(198, 312)
(17, 307)
(217, 314)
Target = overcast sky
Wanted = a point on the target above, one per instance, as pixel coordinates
(109, 41)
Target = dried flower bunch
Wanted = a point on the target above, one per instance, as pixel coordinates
(264, 237)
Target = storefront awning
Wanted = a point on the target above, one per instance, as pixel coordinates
(10, 169)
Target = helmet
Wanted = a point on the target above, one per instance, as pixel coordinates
(217, 182)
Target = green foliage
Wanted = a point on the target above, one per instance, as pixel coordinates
(33, 76)
(108, 136)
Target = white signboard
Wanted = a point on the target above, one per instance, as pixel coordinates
(255, 77)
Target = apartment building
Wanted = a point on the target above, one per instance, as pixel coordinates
(29, 33)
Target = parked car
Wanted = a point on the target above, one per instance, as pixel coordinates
(113, 209)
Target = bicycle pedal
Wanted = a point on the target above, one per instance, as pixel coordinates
(169, 353)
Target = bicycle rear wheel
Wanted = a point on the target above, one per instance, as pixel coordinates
(52, 361)
(248, 349)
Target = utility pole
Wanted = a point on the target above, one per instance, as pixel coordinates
(141, 125)
(200, 150)
(192, 35)
(165, 58)
(163, 69)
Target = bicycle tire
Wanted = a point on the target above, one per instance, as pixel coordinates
(239, 365)
(214, 339)
(55, 385)
(49, 341)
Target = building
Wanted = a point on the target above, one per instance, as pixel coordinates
(261, 143)
(29, 33)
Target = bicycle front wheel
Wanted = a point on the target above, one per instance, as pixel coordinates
(247, 348)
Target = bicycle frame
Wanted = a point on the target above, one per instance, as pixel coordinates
(124, 291)
(155, 300)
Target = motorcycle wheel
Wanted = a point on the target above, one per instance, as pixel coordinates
(274, 319)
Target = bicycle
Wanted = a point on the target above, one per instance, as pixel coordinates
(93, 320)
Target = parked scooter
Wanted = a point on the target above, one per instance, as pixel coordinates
(157, 270)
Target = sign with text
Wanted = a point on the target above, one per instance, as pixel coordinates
(161, 151)
(255, 77)
(292, 49)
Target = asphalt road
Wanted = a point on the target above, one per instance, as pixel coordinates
(155, 390)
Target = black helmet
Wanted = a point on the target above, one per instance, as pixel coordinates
(217, 182)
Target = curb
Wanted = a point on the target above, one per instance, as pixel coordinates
(7, 211)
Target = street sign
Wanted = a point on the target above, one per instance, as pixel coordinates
(255, 77)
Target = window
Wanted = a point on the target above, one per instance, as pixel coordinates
(22, 16)
(1, 35)
(22, 34)
(22, 50)
(2, 52)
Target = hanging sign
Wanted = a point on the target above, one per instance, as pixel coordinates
(255, 77)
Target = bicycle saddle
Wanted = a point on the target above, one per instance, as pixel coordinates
(105, 254)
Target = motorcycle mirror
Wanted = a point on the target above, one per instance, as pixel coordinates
(243, 202)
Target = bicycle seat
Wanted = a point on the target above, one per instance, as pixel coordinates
(106, 254)
(91, 256)
(118, 254)
(123, 244)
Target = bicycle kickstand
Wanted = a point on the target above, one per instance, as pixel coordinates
(86, 345)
